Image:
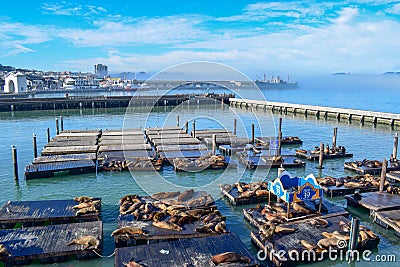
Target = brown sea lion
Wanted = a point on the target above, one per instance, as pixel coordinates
(340, 236)
(128, 230)
(132, 263)
(82, 205)
(308, 245)
(174, 219)
(220, 227)
(197, 213)
(83, 199)
(83, 211)
(344, 226)
(167, 225)
(239, 188)
(128, 198)
(327, 242)
(186, 220)
(197, 202)
(319, 222)
(299, 208)
(267, 230)
(148, 208)
(204, 229)
(284, 230)
(88, 242)
(3, 251)
(163, 195)
(248, 194)
(261, 192)
(131, 208)
(186, 195)
(229, 257)
(364, 237)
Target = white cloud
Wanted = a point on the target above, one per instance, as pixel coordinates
(66, 9)
(395, 9)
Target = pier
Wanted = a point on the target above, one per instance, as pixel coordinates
(350, 115)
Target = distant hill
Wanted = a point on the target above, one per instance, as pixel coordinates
(392, 73)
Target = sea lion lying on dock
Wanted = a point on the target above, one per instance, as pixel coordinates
(163, 195)
(328, 242)
(319, 222)
(299, 208)
(132, 263)
(284, 230)
(167, 225)
(90, 209)
(83, 199)
(267, 231)
(186, 195)
(127, 231)
(88, 242)
(4, 252)
(229, 257)
(82, 205)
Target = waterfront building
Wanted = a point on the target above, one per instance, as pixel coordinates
(15, 83)
(100, 70)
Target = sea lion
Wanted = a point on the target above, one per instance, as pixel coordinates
(148, 208)
(167, 225)
(186, 220)
(364, 237)
(229, 257)
(262, 192)
(308, 245)
(131, 208)
(328, 235)
(3, 251)
(344, 226)
(204, 229)
(163, 195)
(186, 195)
(248, 194)
(83, 199)
(220, 227)
(319, 222)
(128, 230)
(126, 198)
(239, 188)
(340, 236)
(197, 213)
(82, 205)
(88, 242)
(174, 219)
(267, 230)
(83, 211)
(197, 202)
(327, 242)
(298, 207)
(132, 263)
(370, 233)
(284, 230)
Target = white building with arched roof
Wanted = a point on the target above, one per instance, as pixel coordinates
(15, 83)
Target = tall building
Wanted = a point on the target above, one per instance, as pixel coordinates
(100, 70)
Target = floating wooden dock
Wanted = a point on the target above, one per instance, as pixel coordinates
(184, 252)
(203, 163)
(389, 219)
(394, 176)
(374, 201)
(185, 154)
(267, 162)
(236, 198)
(348, 185)
(314, 156)
(51, 169)
(291, 243)
(35, 213)
(362, 116)
(48, 243)
(367, 166)
(286, 140)
(174, 148)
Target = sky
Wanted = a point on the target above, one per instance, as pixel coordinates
(256, 37)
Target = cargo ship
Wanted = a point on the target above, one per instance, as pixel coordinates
(275, 83)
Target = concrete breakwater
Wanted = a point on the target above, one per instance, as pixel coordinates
(320, 111)
(76, 102)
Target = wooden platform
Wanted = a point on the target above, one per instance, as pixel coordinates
(48, 242)
(42, 211)
(122, 155)
(375, 201)
(286, 140)
(222, 140)
(304, 231)
(389, 219)
(235, 198)
(200, 164)
(61, 158)
(308, 154)
(188, 154)
(233, 149)
(340, 190)
(69, 150)
(394, 176)
(165, 148)
(184, 252)
(50, 169)
(127, 147)
(363, 169)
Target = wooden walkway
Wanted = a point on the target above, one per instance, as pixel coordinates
(321, 111)
(43, 211)
(375, 201)
(184, 252)
(48, 242)
(389, 219)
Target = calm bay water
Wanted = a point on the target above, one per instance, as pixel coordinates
(365, 142)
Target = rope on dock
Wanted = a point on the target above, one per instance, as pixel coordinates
(101, 256)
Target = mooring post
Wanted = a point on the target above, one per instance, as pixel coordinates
(34, 146)
(194, 129)
(355, 223)
(57, 127)
(214, 144)
(383, 176)
(279, 137)
(234, 126)
(15, 162)
(177, 121)
(62, 123)
(321, 155)
(252, 133)
(186, 127)
(48, 135)
(334, 137)
(395, 145)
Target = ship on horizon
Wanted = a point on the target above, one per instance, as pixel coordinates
(275, 83)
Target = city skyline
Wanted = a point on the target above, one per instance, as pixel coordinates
(291, 37)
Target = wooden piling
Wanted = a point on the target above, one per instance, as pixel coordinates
(252, 133)
(57, 127)
(395, 145)
(383, 176)
(48, 135)
(279, 137)
(61, 123)
(214, 144)
(186, 127)
(334, 137)
(194, 129)
(15, 162)
(177, 121)
(234, 126)
(321, 155)
(34, 146)
(355, 223)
